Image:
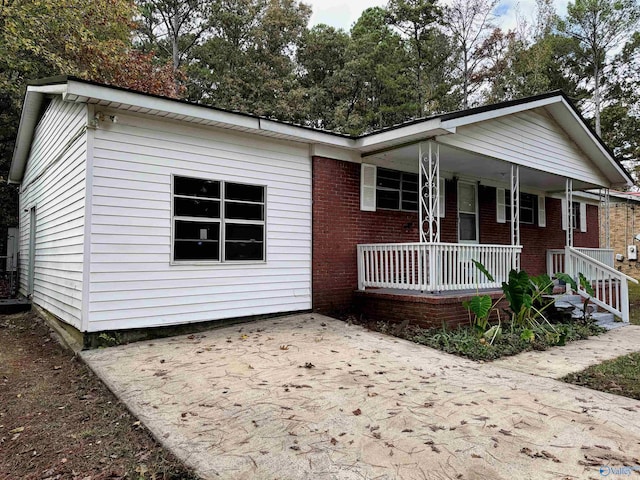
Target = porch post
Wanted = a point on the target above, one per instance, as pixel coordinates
(569, 232)
(569, 212)
(429, 186)
(515, 212)
(607, 219)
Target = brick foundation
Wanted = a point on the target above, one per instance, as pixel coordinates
(427, 311)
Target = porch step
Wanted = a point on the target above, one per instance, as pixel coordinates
(604, 319)
(607, 320)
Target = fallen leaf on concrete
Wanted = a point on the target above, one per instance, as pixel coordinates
(284, 347)
(604, 447)
(357, 412)
(505, 432)
(333, 441)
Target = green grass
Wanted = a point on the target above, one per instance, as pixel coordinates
(634, 303)
(619, 376)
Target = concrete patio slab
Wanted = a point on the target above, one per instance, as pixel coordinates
(310, 397)
(575, 356)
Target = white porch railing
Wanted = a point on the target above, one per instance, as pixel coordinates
(555, 258)
(611, 290)
(434, 266)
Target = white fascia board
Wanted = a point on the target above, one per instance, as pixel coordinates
(399, 135)
(55, 89)
(80, 89)
(500, 112)
(598, 145)
(335, 153)
(28, 121)
(306, 134)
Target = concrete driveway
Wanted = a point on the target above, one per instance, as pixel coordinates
(310, 397)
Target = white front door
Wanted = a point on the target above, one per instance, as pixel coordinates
(467, 212)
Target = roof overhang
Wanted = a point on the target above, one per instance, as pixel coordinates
(31, 111)
(566, 116)
(77, 90)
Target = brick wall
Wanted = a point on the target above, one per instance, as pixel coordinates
(624, 223)
(339, 226)
(535, 240)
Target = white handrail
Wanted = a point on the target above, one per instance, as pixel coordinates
(611, 290)
(434, 266)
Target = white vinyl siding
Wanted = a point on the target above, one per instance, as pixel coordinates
(54, 182)
(529, 139)
(133, 281)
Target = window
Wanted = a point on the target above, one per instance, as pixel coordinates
(396, 190)
(216, 220)
(575, 215)
(467, 212)
(528, 207)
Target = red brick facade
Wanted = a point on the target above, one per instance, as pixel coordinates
(339, 226)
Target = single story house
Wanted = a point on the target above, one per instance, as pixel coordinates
(142, 211)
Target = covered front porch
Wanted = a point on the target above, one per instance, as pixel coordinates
(474, 207)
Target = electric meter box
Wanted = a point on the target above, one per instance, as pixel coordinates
(632, 252)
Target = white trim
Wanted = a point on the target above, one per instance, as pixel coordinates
(542, 211)
(501, 206)
(500, 112)
(475, 187)
(583, 217)
(442, 198)
(368, 189)
(88, 220)
(221, 221)
(563, 208)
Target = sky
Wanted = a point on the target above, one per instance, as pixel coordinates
(343, 13)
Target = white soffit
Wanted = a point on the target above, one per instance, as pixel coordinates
(169, 108)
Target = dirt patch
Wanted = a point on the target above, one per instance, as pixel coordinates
(59, 421)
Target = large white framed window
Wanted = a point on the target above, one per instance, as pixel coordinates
(467, 212)
(217, 221)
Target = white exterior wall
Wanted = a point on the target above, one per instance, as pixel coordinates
(54, 182)
(530, 139)
(132, 281)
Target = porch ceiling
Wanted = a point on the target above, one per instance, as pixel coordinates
(462, 163)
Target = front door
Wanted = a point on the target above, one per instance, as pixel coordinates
(467, 212)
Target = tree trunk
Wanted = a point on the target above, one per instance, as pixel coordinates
(596, 93)
(465, 84)
(175, 52)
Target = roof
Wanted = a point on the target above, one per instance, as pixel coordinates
(79, 90)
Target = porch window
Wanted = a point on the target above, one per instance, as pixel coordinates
(578, 215)
(215, 220)
(467, 212)
(396, 190)
(528, 207)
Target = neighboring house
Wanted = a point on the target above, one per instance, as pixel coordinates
(624, 221)
(142, 211)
